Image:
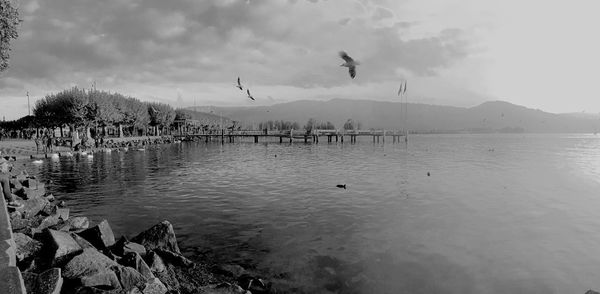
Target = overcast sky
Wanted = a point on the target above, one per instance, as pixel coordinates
(537, 53)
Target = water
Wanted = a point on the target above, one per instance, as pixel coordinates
(499, 213)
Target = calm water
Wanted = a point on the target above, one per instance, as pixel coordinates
(499, 213)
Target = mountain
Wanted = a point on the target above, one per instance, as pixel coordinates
(493, 116)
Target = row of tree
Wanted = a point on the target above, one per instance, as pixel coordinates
(77, 107)
(311, 124)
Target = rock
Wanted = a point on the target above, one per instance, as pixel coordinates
(30, 281)
(156, 265)
(90, 261)
(61, 246)
(15, 184)
(78, 223)
(82, 242)
(135, 261)
(30, 183)
(62, 204)
(49, 282)
(154, 286)
(50, 198)
(100, 235)
(48, 209)
(19, 224)
(63, 213)
(123, 246)
(49, 221)
(161, 236)
(105, 278)
(27, 248)
(130, 278)
(132, 247)
(33, 206)
(173, 258)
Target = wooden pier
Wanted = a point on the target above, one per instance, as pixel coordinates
(292, 135)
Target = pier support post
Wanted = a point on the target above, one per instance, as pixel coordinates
(341, 138)
(280, 139)
(373, 138)
(305, 138)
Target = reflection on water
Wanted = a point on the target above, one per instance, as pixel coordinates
(499, 213)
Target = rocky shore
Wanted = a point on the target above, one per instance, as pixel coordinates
(58, 252)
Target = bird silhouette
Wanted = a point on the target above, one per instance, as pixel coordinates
(349, 63)
(239, 85)
(249, 96)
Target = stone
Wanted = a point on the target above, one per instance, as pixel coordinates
(135, 261)
(105, 278)
(49, 282)
(78, 223)
(135, 248)
(18, 224)
(89, 262)
(30, 183)
(173, 258)
(130, 278)
(223, 288)
(49, 221)
(160, 235)
(30, 281)
(63, 213)
(33, 206)
(15, 184)
(156, 265)
(49, 209)
(82, 242)
(27, 248)
(61, 246)
(154, 286)
(62, 204)
(100, 235)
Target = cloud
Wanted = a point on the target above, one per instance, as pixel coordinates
(295, 43)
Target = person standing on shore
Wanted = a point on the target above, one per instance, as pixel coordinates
(49, 143)
(36, 139)
(45, 142)
(5, 185)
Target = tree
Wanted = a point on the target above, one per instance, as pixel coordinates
(9, 20)
(349, 125)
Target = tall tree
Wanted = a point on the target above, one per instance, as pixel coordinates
(9, 20)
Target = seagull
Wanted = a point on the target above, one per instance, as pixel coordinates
(249, 96)
(350, 63)
(239, 85)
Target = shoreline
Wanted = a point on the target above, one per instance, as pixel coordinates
(53, 250)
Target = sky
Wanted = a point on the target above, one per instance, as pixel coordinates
(536, 53)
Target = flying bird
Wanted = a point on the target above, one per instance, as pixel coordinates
(249, 96)
(350, 63)
(239, 85)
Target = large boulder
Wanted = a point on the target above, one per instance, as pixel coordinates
(130, 278)
(60, 246)
(124, 246)
(100, 235)
(93, 269)
(89, 261)
(174, 258)
(160, 236)
(27, 248)
(154, 286)
(48, 282)
(135, 261)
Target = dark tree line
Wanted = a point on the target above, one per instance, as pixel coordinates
(75, 108)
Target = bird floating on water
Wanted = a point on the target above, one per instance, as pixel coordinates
(350, 63)
(341, 186)
(239, 85)
(249, 96)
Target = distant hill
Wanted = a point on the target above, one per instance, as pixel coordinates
(494, 116)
